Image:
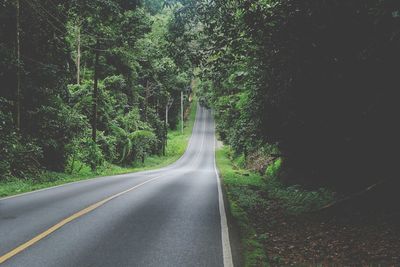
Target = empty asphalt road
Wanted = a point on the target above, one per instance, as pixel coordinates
(173, 216)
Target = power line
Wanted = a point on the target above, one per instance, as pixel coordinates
(48, 13)
(59, 43)
(44, 17)
(42, 63)
(62, 23)
(40, 11)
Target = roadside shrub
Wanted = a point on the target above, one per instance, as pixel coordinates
(241, 161)
(294, 198)
(18, 157)
(55, 127)
(83, 151)
(157, 127)
(274, 168)
(123, 144)
(131, 121)
(144, 144)
(108, 145)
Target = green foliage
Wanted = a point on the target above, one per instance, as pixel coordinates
(144, 143)
(18, 156)
(123, 144)
(274, 169)
(153, 6)
(204, 93)
(240, 161)
(137, 74)
(314, 78)
(80, 171)
(83, 152)
(108, 146)
(243, 192)
(56, 125)
(250, 194)
(295, 199)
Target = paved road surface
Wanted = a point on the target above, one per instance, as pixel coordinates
(169, 217)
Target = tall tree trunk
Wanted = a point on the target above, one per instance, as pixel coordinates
(95, 91)
(146, 100)
(165, 143)
(78, 52)
(18, 97)
(95, 97)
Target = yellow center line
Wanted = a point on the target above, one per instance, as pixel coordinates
(75, 216)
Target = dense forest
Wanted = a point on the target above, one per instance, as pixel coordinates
(311, 82)
(304, 93)
(87, 82)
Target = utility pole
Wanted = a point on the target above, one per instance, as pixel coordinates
(18, 100)
(95, 96)
(167, 107)
(166, 114)
(165, 130)
(182, 112)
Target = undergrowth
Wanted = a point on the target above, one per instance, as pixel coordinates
(249, 192)
(242, 194)
(177, 143)
(295, 199)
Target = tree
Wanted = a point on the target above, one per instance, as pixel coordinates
(82, 67)
(313, 78)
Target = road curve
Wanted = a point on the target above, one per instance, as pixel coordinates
(173, 216)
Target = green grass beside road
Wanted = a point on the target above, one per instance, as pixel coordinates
(177, 143)
(241, 187)
(257, 200)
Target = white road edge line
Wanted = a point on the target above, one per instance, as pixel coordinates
(226, 245)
